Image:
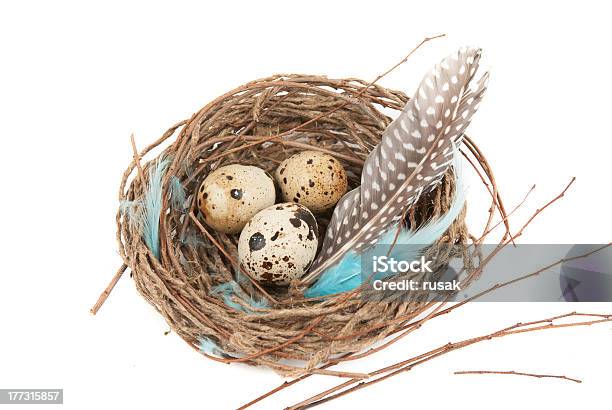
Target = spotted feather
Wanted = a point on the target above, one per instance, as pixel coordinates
(413, 155)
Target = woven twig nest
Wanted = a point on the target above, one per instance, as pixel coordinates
(255, 124)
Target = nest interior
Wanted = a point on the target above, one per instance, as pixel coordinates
(195, 281)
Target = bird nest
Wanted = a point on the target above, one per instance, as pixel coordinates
(194, 280)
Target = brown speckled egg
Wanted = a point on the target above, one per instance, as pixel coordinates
(313, 179)
(279, 243)
(230, 196)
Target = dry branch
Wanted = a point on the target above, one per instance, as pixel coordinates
(407, 365)
(512, 372)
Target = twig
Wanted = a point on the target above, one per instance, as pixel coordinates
(509, 214)
(336, 373)
(487, 168)
(409, 364)
(108, 290)
(512, 372)
(104, 295)
(540, 210)
(287, 384)
(137, 161)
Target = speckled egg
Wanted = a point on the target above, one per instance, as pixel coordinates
(313, 179)
(230, 196)
(279, 243)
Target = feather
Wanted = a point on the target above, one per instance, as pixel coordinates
(409, 245)
(130, 210)
(143, 214)
(342, 277)
(208, 346)
(193, 239)
(413, 155)
(177, 194)
(227, 289)
(153, 204)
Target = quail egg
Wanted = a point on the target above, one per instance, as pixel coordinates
(279, 244)
(313, 179)
(230, 196)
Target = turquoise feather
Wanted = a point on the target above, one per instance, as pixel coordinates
(143, 214)
(153, 204)
(228, 289)
(344, 276)
(410, 245)
(208, 346)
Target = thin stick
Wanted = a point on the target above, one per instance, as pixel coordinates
(409, 364)
(512, 372)
(108, 290)
(137, 161)
(104, 295)
(539, 210)
(494, 204)
(336, 373)
(286, 384)
(485, 164)
(520, 204)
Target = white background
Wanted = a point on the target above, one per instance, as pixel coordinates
(76, 78)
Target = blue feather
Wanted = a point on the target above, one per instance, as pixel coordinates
(208, 346)
(346, 275)
(227, 289)
(410, 245)
(143, 214)
(153, 204)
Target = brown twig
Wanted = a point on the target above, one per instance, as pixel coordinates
(512, 372)
(137, 161)
(482, 160)
(409, 364)
(286, 384)
(540, 210)
(520, 204)
(108, 289)
(335, 373)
